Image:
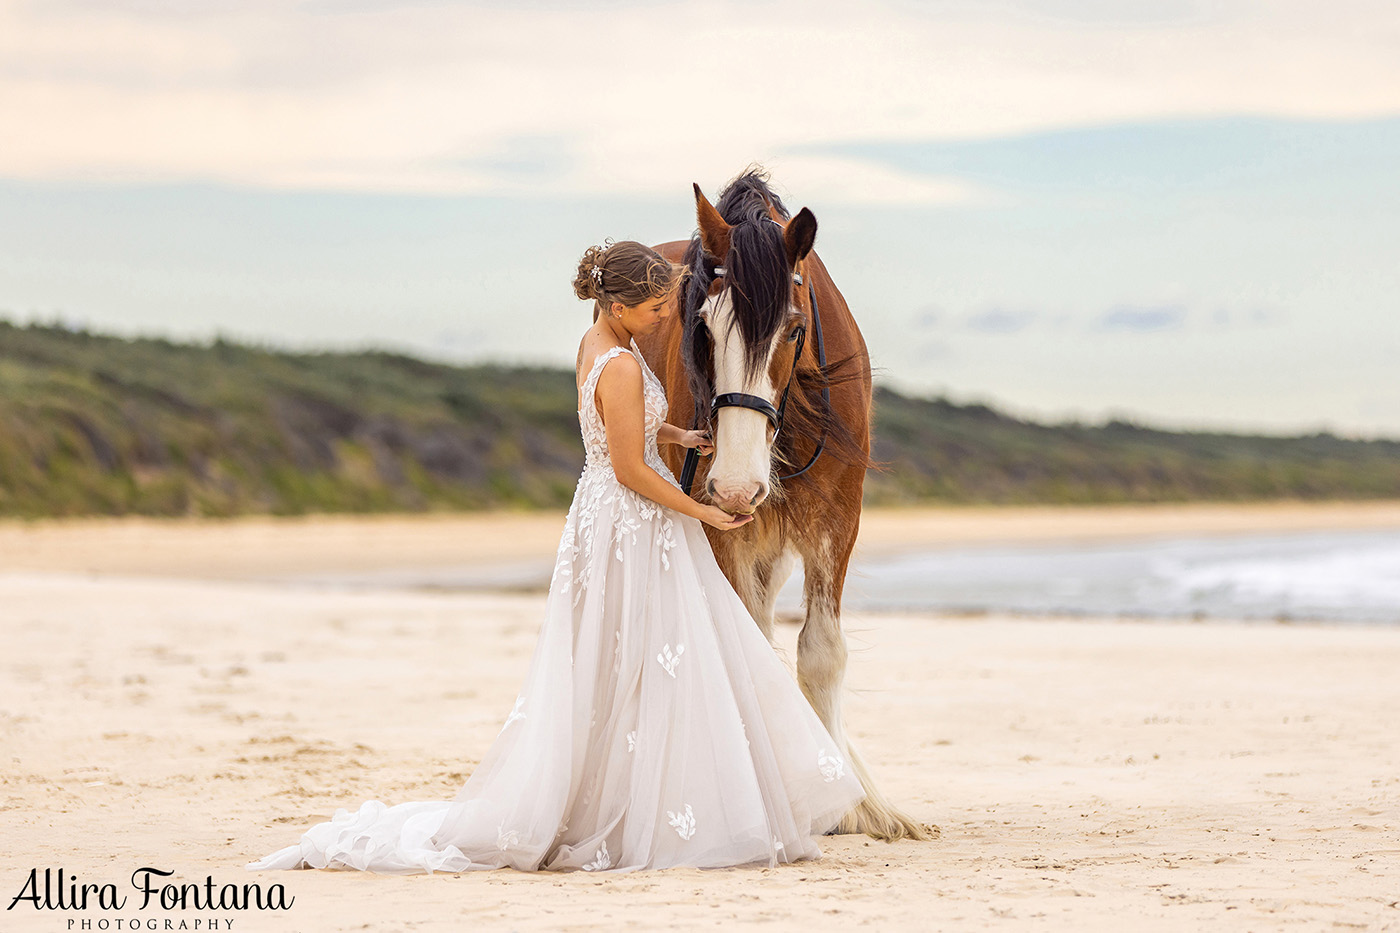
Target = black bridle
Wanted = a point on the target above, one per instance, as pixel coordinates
(762, 405)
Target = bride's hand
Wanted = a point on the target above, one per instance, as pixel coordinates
(699, 440)
(724, 521)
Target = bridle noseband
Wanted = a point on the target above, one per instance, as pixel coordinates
(760, 404)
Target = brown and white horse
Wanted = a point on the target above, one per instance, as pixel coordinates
(745, 319)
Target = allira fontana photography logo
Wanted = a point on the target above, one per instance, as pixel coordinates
(149, 890)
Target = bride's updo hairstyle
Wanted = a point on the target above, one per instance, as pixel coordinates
(627, 272)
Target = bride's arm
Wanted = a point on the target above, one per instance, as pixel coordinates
(670, 434)
(624, 421)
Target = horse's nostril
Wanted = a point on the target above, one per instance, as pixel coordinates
(710, 488)
(760, 495)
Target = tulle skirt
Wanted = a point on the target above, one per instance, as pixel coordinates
(656, 727)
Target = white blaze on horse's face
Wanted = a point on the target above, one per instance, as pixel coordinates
(739, 472)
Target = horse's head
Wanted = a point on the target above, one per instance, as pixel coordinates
(745, 326)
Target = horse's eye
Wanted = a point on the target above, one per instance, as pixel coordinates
(792, 335)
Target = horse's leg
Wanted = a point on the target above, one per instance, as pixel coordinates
(757, 566)
(771, 571)
(821, 669)
(774, 575)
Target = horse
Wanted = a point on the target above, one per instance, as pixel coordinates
(754, 289)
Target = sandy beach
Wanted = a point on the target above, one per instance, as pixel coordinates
(272, 548)
(165, 702)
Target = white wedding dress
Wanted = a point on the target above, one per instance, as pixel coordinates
(656, 726)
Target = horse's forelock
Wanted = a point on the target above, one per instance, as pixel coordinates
(756, 274)
(743, 193)
(760, 288)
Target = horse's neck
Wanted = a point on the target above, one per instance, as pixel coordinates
(654, 346)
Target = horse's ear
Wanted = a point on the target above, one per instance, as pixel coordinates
(714, 232)
(799, 235)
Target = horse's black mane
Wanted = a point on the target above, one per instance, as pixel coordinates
(757, 273)
(760, 283)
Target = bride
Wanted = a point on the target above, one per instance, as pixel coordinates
(656, 726)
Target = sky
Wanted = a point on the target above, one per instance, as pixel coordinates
(1176, 212)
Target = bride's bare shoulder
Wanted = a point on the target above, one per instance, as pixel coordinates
(589, 349)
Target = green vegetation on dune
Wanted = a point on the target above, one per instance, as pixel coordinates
(934, 450)
(93, 424)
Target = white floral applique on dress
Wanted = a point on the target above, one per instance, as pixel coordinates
(670, 659)
(515, 713)
(832, 767)
(601, 859)
(683, 823)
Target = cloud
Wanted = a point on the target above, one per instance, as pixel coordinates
(1101, 12)
(1124, 318)
(928, 317)
(854, 180)
(929, 351)
(527, 158)
(1259, 316)
(1000, 321)
(1141, 319)
(426, 97)
(1222, 156)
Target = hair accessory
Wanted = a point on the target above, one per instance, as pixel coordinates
(597, 274)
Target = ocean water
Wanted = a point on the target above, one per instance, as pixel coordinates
(1334, 576)
(1338, 576)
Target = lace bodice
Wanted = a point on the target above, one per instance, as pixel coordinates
(595, 438)
(634, 517)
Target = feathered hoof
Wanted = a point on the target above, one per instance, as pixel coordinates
(882, 821)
